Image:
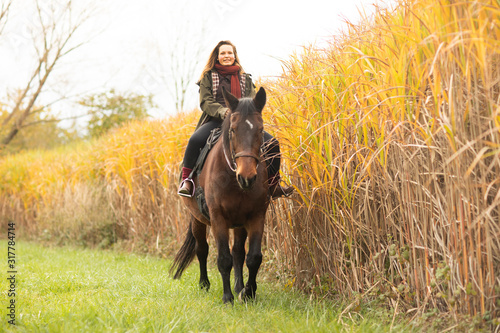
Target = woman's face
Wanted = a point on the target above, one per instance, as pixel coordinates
(226, 55)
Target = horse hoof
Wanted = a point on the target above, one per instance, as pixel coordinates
(205, 285)
(245, 295)
(241, 297)
(228, 299)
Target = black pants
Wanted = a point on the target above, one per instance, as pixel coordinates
(199, 138)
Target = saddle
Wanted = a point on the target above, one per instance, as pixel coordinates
(199, 194)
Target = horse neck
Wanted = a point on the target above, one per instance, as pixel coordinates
(225, 135)
(216, 155)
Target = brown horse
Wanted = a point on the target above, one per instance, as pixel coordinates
(234, 179)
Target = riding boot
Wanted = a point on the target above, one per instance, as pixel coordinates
(276, 190)
(186, 189)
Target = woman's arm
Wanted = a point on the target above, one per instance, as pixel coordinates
(249, 86)
(207, 99)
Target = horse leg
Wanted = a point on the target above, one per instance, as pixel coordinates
(224, 261)
(200, 233)
(254, 259)
(240, 236)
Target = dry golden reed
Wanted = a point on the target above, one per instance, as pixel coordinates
(391, 136)
(134, 169)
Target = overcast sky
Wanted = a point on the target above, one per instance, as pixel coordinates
(132, 39)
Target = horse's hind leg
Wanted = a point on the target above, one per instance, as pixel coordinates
(240, 236)
(200, 233)
(254, 259)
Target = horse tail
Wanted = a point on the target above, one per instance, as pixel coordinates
(185, 255)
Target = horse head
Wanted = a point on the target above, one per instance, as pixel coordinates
(243, 132)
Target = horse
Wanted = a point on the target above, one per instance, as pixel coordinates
(234, 179)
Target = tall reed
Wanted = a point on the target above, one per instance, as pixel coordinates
(134, 170)
(391, 136)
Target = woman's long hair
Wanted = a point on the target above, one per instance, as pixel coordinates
(214, 58)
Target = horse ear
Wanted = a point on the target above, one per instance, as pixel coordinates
(231, 100)
(260, 99)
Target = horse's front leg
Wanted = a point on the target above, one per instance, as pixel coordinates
(224, 260)
(254, 258)
(240, 236)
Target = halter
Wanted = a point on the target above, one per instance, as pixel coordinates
(232, 163)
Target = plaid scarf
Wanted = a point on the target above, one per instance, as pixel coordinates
(215, 83)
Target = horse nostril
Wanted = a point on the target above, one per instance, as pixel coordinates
(241, 181)
(246, 183)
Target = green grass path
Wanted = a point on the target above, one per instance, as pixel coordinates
(82, 290)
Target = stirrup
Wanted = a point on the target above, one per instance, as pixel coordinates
(281, 192)
(184, 194)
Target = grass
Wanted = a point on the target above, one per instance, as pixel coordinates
(81, 290)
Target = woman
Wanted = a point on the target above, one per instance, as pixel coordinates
(223, 70)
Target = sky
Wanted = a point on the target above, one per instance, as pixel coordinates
(130, 44)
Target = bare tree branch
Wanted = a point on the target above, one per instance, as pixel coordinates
(177, 66)
(4, 11)
(52, 120)
(55, 35)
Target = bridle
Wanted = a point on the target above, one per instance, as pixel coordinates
(232, 162)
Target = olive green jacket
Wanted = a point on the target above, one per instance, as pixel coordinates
(212, 109)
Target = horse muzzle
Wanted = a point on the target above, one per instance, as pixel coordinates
(246, 183)
(246, 170)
